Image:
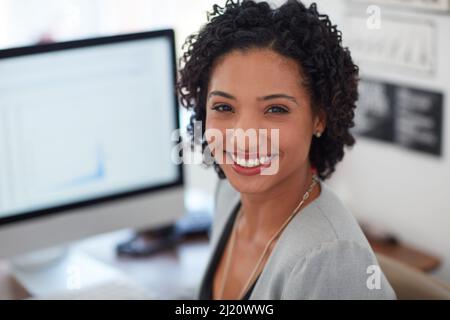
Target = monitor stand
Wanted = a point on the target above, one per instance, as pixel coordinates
(59, 270)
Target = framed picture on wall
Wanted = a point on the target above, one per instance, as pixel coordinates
(392, 47)
(406, 116)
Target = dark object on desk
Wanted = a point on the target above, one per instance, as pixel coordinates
(145, 243)
(378, 235)
(149, 242)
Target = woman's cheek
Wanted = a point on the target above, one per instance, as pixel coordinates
(294, 146)
(214, 135)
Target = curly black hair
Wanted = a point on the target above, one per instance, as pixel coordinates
(294, 31)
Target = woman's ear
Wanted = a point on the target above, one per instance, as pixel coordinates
(320, 123)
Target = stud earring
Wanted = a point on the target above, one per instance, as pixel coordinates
(318, 134)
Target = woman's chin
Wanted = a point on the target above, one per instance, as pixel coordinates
(249, 184)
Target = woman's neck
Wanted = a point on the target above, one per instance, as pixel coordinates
(264, 213)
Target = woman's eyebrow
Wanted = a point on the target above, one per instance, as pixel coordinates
(264, 98)
(279, 95)
(221, 94)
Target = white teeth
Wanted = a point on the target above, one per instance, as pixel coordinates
(250, 162)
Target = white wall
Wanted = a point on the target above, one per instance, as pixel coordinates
(23, 22)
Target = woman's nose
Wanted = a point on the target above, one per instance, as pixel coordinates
(246, 133)
(246, 121)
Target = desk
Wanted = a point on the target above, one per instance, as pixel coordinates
(178, 272)
(169, 274)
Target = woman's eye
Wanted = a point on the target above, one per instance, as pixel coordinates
(222, 108)
(277, 109)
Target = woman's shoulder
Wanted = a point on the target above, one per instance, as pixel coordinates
(339, 269)
(324, 250)
(324, 220)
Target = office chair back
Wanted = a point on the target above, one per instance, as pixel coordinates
(410, 283)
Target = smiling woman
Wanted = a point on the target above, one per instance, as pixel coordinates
(279, 234)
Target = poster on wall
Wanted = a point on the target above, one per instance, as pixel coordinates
(408, 117)
(427, 5)
(391, 46)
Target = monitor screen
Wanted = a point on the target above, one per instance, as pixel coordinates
(86, 121)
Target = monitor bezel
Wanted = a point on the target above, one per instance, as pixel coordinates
(92, 42)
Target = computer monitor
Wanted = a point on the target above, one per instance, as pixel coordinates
(86, 139)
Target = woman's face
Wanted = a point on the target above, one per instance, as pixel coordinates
(260, 89)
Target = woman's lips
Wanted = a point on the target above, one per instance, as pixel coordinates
(248, 165)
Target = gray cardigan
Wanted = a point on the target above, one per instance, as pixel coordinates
(321, 254)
